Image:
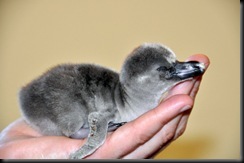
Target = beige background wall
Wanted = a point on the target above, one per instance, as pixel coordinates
(38, 34)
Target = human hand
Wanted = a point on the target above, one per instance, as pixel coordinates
(140, 138)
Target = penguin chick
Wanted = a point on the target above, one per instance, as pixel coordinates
(86, 100)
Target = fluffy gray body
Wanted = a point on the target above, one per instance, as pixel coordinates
(85, 100)
(59, 102)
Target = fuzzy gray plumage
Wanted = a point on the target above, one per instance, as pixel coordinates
(85, 100)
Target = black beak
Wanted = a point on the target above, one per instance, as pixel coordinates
(184, 70)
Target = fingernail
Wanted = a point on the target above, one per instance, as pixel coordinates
(187, 107)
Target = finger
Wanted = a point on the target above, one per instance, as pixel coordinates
(182, 88)
(200, 58)
(163, 137)
(195, 88)
(204, 59)
(182, 124)
(132, 135)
